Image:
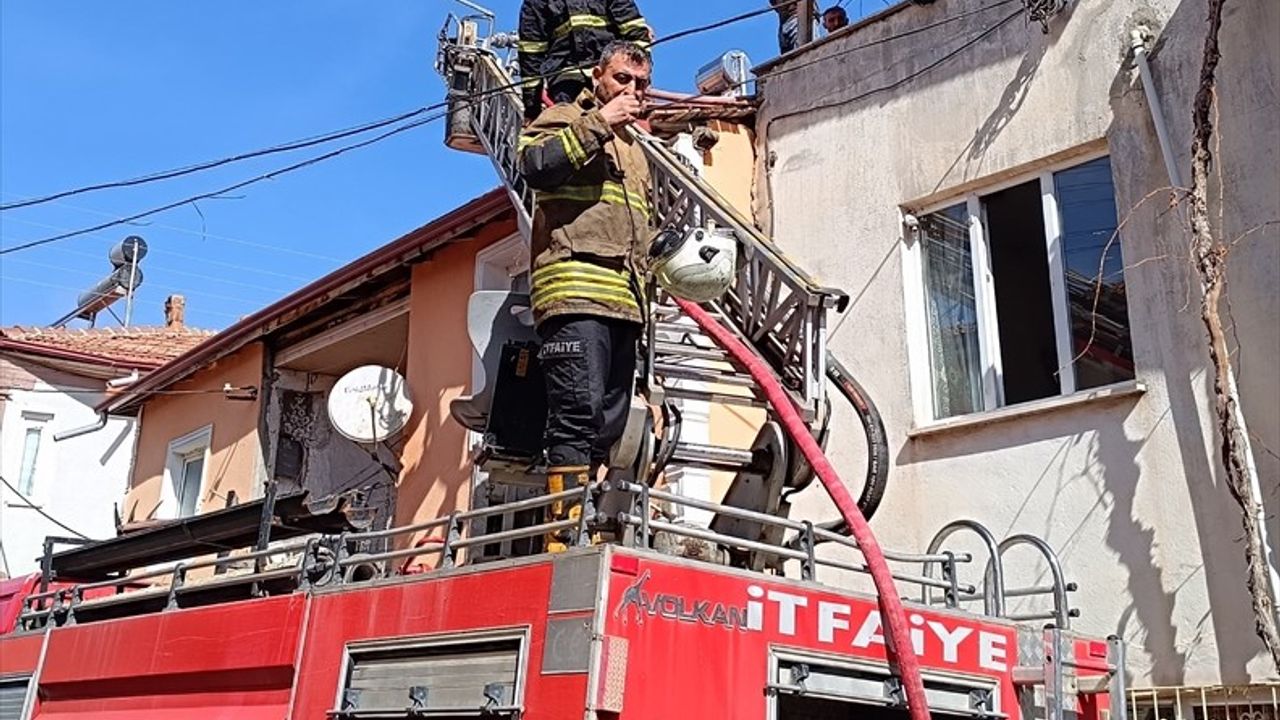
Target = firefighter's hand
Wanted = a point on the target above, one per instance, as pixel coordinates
(621, 111)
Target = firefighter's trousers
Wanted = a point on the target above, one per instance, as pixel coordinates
(590, 364)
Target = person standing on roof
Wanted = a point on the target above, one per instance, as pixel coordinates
(589, 249)
(834, 18)
(560, 40)
(789, 23)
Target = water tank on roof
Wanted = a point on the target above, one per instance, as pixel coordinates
(129, 250)
(726, 75)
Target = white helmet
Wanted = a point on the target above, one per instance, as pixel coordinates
(698, 266)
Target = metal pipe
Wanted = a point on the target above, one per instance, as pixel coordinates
(77, 432)
(1153, 102)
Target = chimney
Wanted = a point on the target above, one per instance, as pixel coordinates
(175, 310)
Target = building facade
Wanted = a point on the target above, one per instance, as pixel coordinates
(57, 481)
(968, 177)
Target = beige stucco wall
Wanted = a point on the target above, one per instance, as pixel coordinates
(235, 461)
(1128, 489)
(436, 478)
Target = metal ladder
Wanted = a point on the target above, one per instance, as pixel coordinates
(773, 305)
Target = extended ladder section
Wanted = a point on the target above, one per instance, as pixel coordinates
(779, 311)
(773, 304)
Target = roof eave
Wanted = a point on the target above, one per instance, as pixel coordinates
(408, 248)
(36, 349)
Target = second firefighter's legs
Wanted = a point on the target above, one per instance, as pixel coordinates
(589, 363)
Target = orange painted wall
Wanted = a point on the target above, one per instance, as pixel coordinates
(235, 455)
(730, 168)
(436, 478)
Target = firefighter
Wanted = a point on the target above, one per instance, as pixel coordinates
(560, 41)
(589, 245)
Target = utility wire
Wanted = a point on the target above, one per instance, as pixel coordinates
(236, 186)
(503, 88)
(330, 136)
(198, 167)
(40, 510)
(904, 80)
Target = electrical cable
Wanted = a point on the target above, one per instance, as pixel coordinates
(904, 80)
(510, 86)
(336, 134)
(208, 165)
(40, 510)
(236, 186)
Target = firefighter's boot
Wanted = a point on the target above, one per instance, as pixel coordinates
(560, 479)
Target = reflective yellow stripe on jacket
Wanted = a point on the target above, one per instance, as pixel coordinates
(573, 279)
(580, 21)
(610, 192)
(631, 25)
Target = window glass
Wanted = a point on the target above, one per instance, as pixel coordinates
(951, 312)
(30, 454)
(1086, 201)
(189, 489)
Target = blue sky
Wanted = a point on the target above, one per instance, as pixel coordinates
(93, 92)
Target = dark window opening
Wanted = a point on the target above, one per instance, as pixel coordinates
(1024, 301)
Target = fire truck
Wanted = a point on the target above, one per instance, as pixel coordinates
(306, 630)
(295, 607)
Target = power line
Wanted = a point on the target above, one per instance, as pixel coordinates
(55, 286)
(170, 288)
(151, 267)
(203, 234)
(230, 188)
(198, 167)
(334, 135)
(40, 510)
(503, 88)
(903, 81)
(166, 251)
(880, 41)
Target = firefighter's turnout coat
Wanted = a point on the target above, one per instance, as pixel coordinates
(559, 37)
(591, 220)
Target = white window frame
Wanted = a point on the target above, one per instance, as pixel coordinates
(989, 351)
(41, 472)
(520, 634)
(180, 451)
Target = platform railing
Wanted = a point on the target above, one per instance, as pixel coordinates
(458, 538)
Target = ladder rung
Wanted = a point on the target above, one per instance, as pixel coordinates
(678, 329)
(681, 372)
(690, 351)
(713, 457)
(714, 397)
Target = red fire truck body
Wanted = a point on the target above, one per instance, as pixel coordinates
(603, 632)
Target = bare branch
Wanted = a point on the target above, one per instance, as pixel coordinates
(1102, 263)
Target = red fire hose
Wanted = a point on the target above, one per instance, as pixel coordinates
(895, 619)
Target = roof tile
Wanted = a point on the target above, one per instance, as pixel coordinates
(151, 345)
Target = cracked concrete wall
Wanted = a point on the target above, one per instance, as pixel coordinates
(1128, 489)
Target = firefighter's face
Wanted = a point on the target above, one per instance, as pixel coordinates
(621, 76)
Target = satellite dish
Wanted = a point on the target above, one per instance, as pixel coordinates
(369, 404)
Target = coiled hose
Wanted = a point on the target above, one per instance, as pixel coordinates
(891, 610)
